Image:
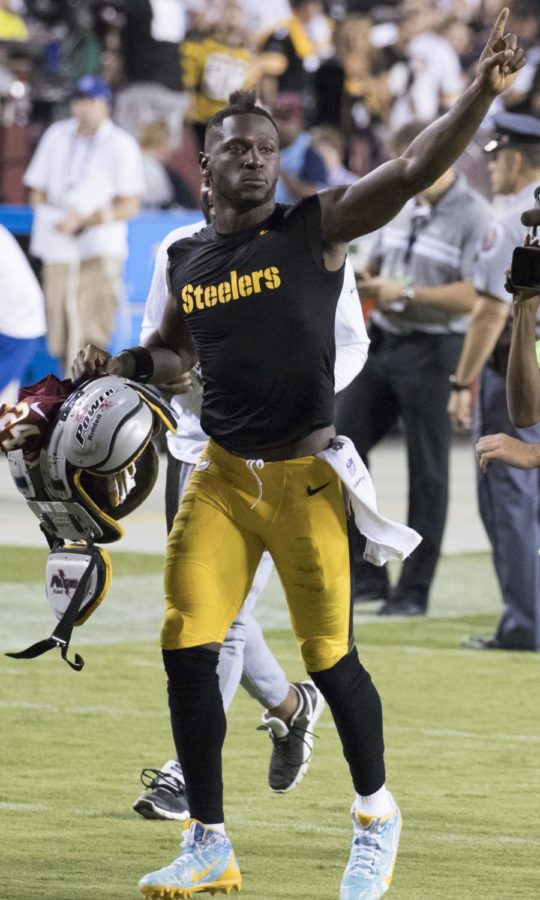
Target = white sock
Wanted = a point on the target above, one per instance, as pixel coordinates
(378, 804)
(173, 767)
(220, 826)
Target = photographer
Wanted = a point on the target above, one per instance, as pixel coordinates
(523, 379)
(523, 376)
(508, 497)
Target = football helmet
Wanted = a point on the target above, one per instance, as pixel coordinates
(103, 429)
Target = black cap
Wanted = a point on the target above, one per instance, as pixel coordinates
(513, 131)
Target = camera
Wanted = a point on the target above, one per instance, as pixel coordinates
(525, 270)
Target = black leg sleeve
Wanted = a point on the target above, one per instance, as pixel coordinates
(356, 707)
(198, 726)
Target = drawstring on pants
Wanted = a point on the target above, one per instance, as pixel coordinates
(253, 464)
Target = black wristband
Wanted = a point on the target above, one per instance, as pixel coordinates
(456, 386)
(144, 364)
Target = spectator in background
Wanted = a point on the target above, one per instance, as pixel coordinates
(423, 294)
(86, 179)
(22, 311)
(352, 93)
(216, 62)
(330, 144)
(262, 17)
(429, 80)
(524, 95)
(164, 186)
(289, 57)
(150, 38)
(12, 27)
(302, 170)
(508, 499)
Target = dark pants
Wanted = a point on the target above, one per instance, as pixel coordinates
(407, 377)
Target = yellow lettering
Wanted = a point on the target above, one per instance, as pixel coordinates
(245, 285)
(210, 295)
(234, 285)
(224, 292)
(187, 299)
(198, 297)
(271, 277)
(256, 277)
(202, 297)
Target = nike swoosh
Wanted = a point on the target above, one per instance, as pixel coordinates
(263, 231)
(198, 876)
(316, 490)
(36, 408)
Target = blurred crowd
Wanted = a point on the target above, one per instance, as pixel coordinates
(344, 74)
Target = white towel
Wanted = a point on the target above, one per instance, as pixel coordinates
(385, 539)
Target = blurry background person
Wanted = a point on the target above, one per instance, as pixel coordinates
(508, 498)
(352, 94)
(86, 179)
(22, 313)
(152, 89)
(429, 79)
(165, 187)
(12, 27)
(290, 56)
(524, 95)
(216, 61)
(302, 169)
(330, 144)
(423, 294)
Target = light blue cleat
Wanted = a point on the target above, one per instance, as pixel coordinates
(206, 863)
(373, 856)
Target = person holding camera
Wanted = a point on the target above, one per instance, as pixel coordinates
(508, 497)
(523, 376)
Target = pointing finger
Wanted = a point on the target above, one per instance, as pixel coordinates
(498, 28)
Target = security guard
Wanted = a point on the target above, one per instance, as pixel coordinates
(424, 261)
(509, 498)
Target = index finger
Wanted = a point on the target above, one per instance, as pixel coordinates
(498, 27)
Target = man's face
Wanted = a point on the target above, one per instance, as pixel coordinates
(503, 168)
(242, 161)
(289, 126)
(90, 112)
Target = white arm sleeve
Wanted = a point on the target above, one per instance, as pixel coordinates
(159, 290)
(352, 342)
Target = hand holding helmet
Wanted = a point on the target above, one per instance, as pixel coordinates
(92, 361)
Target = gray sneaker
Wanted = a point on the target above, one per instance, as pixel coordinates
(165, 794)
(293, 742)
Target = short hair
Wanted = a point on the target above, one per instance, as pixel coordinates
(240, 103)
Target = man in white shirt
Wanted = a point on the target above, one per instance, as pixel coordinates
(22, 311)
(291, 710)
(86, 179)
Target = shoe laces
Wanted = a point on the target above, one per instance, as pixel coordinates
(366, 847)
(154, 778)
(280, 743)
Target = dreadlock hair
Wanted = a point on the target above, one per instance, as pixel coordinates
(240, 103)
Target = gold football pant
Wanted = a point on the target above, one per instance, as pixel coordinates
(230, 512)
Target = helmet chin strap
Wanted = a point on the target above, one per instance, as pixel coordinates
(61, 635)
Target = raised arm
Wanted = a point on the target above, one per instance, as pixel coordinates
(369, 203)
(523, 376)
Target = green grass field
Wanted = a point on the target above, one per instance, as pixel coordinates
(462, 735)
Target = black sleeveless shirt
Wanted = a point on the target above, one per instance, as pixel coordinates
(260, 308)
